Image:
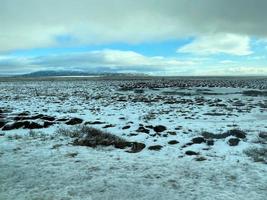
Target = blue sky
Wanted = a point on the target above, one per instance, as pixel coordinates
(170, 37)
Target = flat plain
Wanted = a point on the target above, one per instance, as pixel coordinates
(133, 138)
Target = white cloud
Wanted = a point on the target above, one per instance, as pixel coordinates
(219, 43)
(105, 60)
(230, 71)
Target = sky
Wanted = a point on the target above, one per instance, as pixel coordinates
(156, 37)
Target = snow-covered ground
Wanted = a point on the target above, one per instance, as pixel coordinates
(40, 164)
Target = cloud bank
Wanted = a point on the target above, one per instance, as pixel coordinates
(94, 61)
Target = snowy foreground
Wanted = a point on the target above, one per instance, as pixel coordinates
(203, 139)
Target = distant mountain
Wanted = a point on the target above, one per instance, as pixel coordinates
(73, 73)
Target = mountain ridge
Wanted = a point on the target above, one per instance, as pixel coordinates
(58, 73)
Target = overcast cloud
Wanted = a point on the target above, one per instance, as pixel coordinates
(217, 26)
(38, 23)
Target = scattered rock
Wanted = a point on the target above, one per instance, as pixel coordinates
(133, 134)
(155, 147)
(136, 147)
(187, 144)
(74, 121)
(191, 153)
(48, 118)
(48, 124)
(2, 123)
(25, 113)
(237, 133)
(122, 144)
(210, 142)
(263, 135)
(200, 158)
(208, 135)
(179, 128)
(172, 142)
(139, 91)
(255, 93)
(15, 125)
(32, 125)
(171, 132)
(94, 123)
(159, 128)
(233, 141)
(142, 129)
(149, 126)
(165, 135)
(36, 116)
(109, 126)
(234, 132)
(126, 127)
(198, 140)
(62, 120)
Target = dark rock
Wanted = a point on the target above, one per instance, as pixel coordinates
(94, 123)
(179, 128)
(15, 125)
(142, 129)
(37, 116)
(25, 113)
(172, 142)
(2, 123)
(139, 91)
(133, 134)
(26, 117)
(149, 126)
(155, 147)
(210, 142)
(47, 124)
(165, 135)
(198, 140)
(62, 120)
(234, 132)
(121, 144)
(187, 144)
(171, 132)
(208, 135)
(191, 153)
(21, 117)
(32, 125)
(215, 114)
(237, 133)
(159, 128)
(263, 135)
(233, 141)
(255, 93)
(201, 158)
(109, 126)
(137, 147)
(126, 127)
(48, 118)
(74, 121)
